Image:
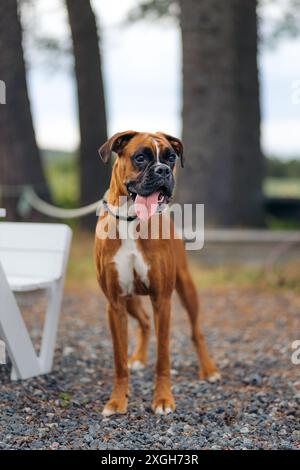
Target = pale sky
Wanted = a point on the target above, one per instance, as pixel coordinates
(141, 66)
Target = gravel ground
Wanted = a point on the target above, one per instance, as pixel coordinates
(255, 406)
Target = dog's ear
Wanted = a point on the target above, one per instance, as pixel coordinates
(115, 144)
(176, 144)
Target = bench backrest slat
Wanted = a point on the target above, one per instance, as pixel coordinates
(35, 250)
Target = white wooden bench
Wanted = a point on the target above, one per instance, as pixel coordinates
(32, 256)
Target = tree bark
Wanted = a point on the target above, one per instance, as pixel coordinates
(94, 176)
(221, 114)
(20, 161)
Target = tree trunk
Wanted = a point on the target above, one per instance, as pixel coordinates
(20, 161)
(221, 115)
(94, 176)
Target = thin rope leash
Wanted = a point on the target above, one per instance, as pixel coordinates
(29, 198)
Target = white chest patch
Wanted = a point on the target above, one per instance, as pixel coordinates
(127, 260)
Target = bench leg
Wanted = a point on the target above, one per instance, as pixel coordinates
(14, 333)
(55, 293)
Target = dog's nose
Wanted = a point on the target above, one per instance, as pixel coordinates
(162, 170)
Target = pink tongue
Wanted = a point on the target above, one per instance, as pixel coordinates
(145, 207)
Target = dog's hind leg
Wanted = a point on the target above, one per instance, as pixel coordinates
(138, 358)
(188, 295)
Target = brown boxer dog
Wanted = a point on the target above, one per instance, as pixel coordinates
(143, 173)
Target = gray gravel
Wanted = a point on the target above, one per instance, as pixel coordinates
(255, 406)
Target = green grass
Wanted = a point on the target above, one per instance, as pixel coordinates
(81, 269)
(63, 178)
(282, 276)
(282, 187)
(227, 275)
(273, 223)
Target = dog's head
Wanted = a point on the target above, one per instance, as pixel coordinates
(145, 167)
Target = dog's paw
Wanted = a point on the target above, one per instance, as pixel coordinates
(214, 377)
(163, 406)
(135, 364)
(137, 361)
(211, 375)
(114, 406)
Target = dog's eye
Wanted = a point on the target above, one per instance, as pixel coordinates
(172, 158)
(140, 158)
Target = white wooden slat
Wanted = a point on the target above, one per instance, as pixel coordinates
(32, 264)
(13, 331)
(55, 293)
(26, 284)
(34, 237)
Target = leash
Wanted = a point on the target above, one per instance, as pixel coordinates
(29, 198)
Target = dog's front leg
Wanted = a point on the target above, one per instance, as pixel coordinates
(163, 401)
(117, 315)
